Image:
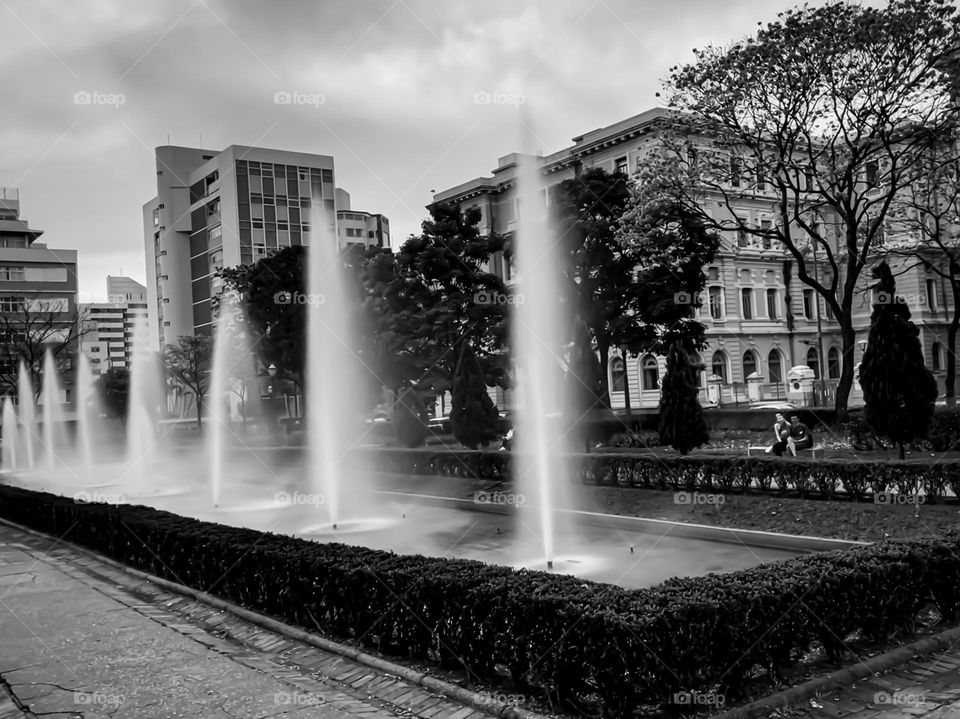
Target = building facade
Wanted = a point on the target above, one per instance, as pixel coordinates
(108, 328)
(38, 291)
(217, 209)
(761, 320)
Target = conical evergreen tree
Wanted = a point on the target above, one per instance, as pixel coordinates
(898, 390)
(474, 415)
(682, 425)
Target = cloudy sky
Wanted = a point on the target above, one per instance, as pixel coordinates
(388, 87)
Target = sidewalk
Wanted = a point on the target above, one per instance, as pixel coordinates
(927, 688)
(79, 638)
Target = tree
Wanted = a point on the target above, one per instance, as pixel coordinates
(473, 415)
(599, 271)
(682, 425)
(189, 362)
(927, 216)
(671, 247)
(898, 390)
(821, 117)
(31, 324)
(408, 424)
(113, 389)
(436, 295)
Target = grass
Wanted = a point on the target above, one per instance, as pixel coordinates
(856, 521)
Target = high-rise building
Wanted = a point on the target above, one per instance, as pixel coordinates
(38, 292)
(360, 228)
(108, 327)
(125, 289)
(222, 209)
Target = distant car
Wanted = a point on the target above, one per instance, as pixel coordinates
(440, 424)
(773, 407)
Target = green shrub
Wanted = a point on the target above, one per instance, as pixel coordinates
(588, 645)
(944, 434)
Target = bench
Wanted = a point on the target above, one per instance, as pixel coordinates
(761, 449)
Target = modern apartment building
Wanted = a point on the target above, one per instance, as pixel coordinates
(107, 338)
(360, 228)
(38, 290)
(761, 320)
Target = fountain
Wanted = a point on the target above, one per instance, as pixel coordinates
(84, 397)
(52, 412)
(11, 438)
(141, 407)
(541, 325)
(28, 424)
(219, 419)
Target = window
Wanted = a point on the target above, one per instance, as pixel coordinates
(618, 375)
(719, 365)
(772, 304)
(761, 178)
(935, 356)
(620, 165)
(766, 226)
(775, 367)
(813, 361)
(931, 294)
(872, 174)
(11, 304)
(692, 156)
(833, 363)
(713, 273)
(9, 273)
(735, 171)
(716, 303)
(746, 301)
(651, 373)
(809, 181)
(156, 218)
(808, 304)
(742, 239)
(749, 363)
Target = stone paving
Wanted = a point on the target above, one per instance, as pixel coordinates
(81, 639)
(927, 688)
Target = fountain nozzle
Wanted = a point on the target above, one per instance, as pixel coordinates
(631, 549)
(549, 564)
(334, 525)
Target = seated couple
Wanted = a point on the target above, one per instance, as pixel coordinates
(792, 436)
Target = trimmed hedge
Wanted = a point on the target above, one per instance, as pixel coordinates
(585, 645)
(827, 479)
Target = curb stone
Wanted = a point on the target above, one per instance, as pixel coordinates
(844, 677)
(452, 691)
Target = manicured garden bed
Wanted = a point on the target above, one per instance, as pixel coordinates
(586, 646)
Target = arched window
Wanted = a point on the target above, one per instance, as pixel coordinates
(651, 372)
(775, 367)
(618, 374)
(813, 361)
(936, 356)
(749, 363)
(719, 365)
(833, 363)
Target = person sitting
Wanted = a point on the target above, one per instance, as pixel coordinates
(781, 430)
(799, 436)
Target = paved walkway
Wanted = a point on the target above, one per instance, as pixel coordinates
(927, 688)
(80, 639)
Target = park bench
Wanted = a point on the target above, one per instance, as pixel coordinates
(761, 449)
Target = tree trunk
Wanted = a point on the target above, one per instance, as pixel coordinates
(849, 343)
(902, 455)
(603, 347)
(626, 390)
(199, 414)
(952, 359)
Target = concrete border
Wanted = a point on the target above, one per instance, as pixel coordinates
(873, 666)
(451, 691)
(748, 537)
